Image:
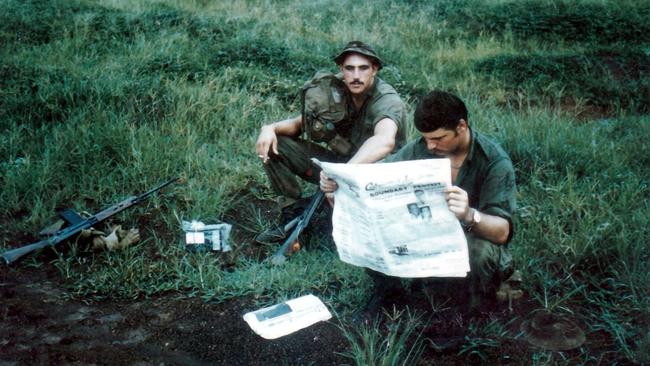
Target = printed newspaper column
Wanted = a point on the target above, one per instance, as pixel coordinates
(393, 218)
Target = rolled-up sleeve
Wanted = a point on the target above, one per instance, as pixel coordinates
(498, 194)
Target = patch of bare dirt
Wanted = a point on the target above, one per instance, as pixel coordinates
(39, 325)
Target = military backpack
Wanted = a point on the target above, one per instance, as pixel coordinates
(324, 105)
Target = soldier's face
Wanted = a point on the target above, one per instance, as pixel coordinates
(446, 142)
(442, 141)
(358, 73)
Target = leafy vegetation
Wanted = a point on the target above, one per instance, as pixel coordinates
(99, 100)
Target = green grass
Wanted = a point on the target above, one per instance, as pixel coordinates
(607, 78)
(101, 100)
(571, 21)
(396, 342)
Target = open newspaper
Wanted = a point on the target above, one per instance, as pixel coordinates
(393, 218)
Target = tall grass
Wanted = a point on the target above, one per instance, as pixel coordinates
(100, 100)
(397, 342)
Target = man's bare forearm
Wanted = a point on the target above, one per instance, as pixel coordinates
(379, 145)
(492, 228)
(373, 150)
(287, 127)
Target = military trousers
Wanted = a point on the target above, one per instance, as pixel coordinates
(490, 264)
(294, 160)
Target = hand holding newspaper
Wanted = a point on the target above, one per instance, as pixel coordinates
(393, 218)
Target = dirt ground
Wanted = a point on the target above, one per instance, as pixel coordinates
(39, 325)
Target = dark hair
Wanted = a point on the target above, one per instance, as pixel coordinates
(437, 110)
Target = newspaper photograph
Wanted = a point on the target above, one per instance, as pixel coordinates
(292, 315)
(393, 218)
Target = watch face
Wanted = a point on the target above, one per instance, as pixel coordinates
(477, 217)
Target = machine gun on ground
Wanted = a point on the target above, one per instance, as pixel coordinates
(12, 255)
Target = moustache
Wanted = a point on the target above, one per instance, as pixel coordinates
(356, 82)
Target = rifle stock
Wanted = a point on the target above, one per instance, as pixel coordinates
(12, 255)
(280, 255)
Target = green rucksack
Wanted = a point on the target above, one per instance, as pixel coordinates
(324, 105)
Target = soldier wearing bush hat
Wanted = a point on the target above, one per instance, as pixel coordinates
(370, 125)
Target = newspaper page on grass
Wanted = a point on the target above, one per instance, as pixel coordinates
(393, 218)
(279, 320)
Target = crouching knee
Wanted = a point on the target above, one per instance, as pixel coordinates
(487, 261)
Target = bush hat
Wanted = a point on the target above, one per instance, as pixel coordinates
(360, 48)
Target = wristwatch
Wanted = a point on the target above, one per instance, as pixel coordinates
(476, 218)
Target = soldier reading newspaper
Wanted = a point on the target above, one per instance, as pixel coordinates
(392, 218)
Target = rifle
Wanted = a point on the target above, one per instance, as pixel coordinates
(10, 256)
(302, 221)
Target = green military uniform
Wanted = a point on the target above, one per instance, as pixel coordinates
(295, 154)
(488, 177)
